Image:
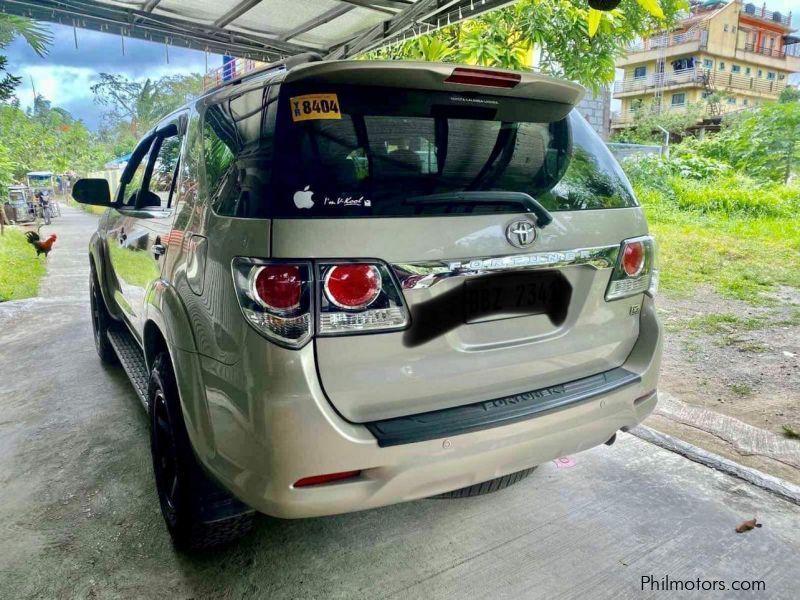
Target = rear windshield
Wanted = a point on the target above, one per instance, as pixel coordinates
(352, 151)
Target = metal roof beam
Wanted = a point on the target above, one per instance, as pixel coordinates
(236, 12)
(325, 17)
(89, 14)
(391, 7)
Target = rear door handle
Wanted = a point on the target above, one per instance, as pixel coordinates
(158, 250)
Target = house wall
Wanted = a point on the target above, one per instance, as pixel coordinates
(597, 110)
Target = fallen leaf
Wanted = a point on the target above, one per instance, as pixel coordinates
(747, 525)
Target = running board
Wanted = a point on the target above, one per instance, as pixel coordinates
(132, 359)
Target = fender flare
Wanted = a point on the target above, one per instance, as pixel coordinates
(166, 316)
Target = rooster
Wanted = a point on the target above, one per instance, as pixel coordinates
(42, 246)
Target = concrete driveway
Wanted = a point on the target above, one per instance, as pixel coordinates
(79, 515)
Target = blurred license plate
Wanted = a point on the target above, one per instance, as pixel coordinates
(512, 295)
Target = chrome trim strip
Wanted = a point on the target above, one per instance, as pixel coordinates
(420, 275)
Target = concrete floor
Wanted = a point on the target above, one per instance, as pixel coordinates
(79, 516)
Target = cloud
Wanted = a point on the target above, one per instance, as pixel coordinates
(67, 73)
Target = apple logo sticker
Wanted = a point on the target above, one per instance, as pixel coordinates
(302, 199)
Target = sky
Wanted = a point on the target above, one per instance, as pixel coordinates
(66, 74)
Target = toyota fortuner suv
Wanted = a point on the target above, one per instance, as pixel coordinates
(340, 285)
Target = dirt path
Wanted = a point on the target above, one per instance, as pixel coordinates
(79, 516)
(736, 359)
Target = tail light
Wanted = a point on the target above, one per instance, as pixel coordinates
(635, 271)
(278, 298)
(359, 297)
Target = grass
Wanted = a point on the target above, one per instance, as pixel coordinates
(739, 256)
(95, 210)
(20, 269)
(721, 323)
(741, 389)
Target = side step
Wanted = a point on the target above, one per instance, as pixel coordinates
(132, 359)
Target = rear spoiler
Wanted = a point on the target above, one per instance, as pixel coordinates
(441, 77)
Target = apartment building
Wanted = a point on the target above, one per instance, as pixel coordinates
(737, 52)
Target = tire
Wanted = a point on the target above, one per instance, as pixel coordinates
(488, 487)
(101, 321)
(198, 513)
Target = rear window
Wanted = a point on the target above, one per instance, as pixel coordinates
(352, 151)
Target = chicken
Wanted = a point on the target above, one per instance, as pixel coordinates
(42, 246)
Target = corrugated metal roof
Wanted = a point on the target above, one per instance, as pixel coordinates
(261, 29)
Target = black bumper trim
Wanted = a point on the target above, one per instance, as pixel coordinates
(494, 413)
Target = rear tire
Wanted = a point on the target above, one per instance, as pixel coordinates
(198, 513)
(488, 487)
(101, 321)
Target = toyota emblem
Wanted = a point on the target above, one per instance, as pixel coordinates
(521, 234)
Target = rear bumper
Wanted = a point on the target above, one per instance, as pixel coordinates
(258, 440)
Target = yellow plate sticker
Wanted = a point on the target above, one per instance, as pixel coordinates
(315, 106)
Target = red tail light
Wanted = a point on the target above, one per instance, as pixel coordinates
(320, 479)
(483, 77)
(353, 286)
(635, 271)
(278, 287)
(633, 256)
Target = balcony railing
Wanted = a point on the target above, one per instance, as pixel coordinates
(667, 40)
(764, 51)
(660, 80)
(235, 69)
(697, 78)
(761, 12)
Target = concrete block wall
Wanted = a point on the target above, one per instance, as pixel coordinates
(597, 110)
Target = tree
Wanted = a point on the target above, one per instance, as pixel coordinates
(37, 37)
(572, 40)
(789, 94)
(138, 105)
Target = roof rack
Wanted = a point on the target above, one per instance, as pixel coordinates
(242, 69)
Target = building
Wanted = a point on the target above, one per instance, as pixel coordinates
(734, 55)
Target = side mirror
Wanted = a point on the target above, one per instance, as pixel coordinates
(92, 191)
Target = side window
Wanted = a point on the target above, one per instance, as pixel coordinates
(130, 190)
(162, 179)
(237, 152)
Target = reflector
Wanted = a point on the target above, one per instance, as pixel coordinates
(320, 479)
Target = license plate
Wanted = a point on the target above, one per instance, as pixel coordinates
(312, 107)
(512, 295)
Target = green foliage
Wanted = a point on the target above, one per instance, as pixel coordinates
(135, 106)
(558, 29)
(657, 170)
(764, 142)
(37, 37)
(46, 138)
(20, 269)
(789, 94)
(734, 233)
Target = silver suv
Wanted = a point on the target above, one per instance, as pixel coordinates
(340, 285)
